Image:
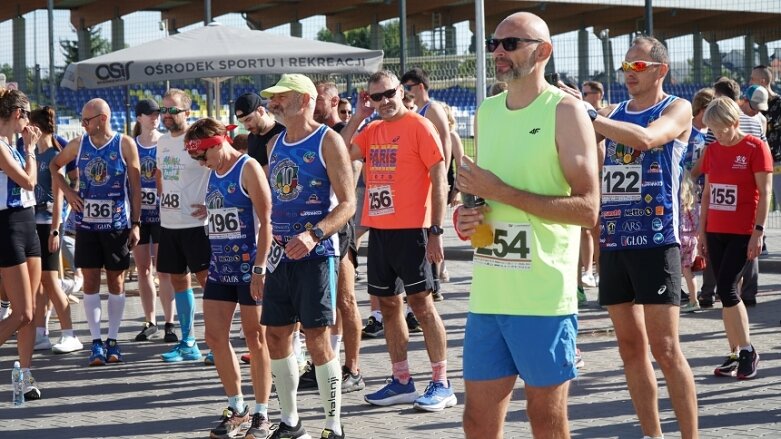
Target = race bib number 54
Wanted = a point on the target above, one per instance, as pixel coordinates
(510, 249)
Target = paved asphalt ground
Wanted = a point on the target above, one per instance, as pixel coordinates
(147, 398)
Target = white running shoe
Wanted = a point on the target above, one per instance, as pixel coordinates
(4, 313)
(68, 286)
(79, 281)
(42, 343)
(67, 344)
(588, 280)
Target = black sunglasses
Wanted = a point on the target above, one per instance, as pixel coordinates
(509, 43)
(200, 157)
(377, 97)
(408, 87)
(171, 110)
(345, 112)
(23, 113)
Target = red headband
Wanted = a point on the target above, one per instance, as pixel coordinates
(195, 145)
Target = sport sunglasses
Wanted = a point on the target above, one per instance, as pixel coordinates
(377, 97)
(171, 110)
(638, 66)
(509, 43)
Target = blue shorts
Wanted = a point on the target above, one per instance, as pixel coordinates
(541, 350)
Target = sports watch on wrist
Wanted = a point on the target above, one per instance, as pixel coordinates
(592, 113)
(55, 233)
(435, 230)
(318, 233)
(260, 271)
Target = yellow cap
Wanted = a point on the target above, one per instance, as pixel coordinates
(291, 82)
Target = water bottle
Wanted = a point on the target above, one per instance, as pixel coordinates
(17, 383)
(484, 235)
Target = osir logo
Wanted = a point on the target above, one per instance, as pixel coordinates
(113, 71)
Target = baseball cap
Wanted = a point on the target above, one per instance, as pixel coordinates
(757, 97)
(292, 82)
(146, 106)
(246, 104)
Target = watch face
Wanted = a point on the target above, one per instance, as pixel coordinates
(318, 233)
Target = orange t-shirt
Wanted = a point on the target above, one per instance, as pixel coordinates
(399, 155)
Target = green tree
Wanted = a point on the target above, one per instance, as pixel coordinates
(97, 46)
(361, 37)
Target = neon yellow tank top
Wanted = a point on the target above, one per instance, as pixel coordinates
(530, 269)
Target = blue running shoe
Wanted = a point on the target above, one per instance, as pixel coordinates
(113, 354)
(436, 397)
(393, 393)
(208, 360)
(98, 355)
(182, 352)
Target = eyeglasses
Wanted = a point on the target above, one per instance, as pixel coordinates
(509, 43)
(377, 97)
(638, 66)
(408, 87)
(87, 120)
(23, 113)
(173, 111)
(345, 112)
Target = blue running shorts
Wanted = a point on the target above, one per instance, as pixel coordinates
(540, 349)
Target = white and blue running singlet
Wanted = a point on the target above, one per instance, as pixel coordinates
(422, 110)
(640, 189)
(301, 194)
(150, 206)
(103, 186)
(11, 194)
(232, 227)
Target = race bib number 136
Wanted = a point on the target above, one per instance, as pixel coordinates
(511, 247)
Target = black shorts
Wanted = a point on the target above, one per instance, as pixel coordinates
(18, 238)
(102, 249)
(229, 293)
(398, 254)
(150, 233)
(347, 242)
(183, 249)
(301, 291)
(646, 277)
(49, 261)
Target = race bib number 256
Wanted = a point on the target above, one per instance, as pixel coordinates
(511, 247)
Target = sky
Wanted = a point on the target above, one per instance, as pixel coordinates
(141, 27)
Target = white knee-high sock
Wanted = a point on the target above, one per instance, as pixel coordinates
(329, 383)
(92, 313)
(116, 307)
(285, 373)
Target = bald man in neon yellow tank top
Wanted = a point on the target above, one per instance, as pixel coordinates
(537, 170)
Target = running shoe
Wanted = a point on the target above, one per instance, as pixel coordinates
(231, 423)
(308, 379)
(42, 342)
(284, 431)
(246, 358)
(350, 382)
(582, 299)
(31, 390)
(97, 356)
(113, 353)
(67, 344)
(373, 328)
(588, 280)
(412, 323)
(5, 311)
(170, 335)
(182, 352)
(747, 364)
(393, 393)
(148, 330)
(437, 296)
(436, 397)
(208, 360)
(444, 276)
(691, 307)
(729, 367)
(329, 434)
(705, 302)
(259, 429)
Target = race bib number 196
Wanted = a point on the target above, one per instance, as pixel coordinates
(224, 223)
(511, 247)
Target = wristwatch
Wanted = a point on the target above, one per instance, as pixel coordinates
(759, 227)
(318, 233)
(592, 113)
(260, 271)
(55, 233)
(135, 223)
(435, 230)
